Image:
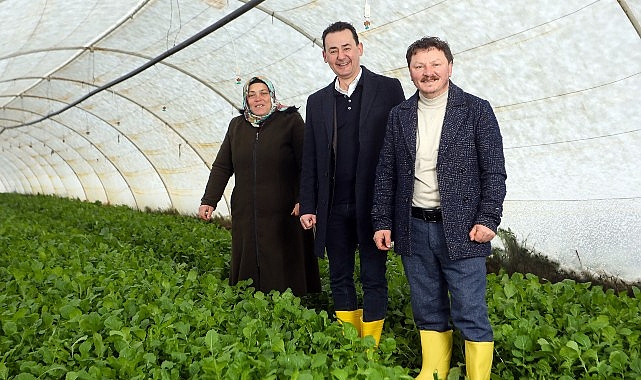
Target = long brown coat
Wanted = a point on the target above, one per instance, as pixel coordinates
(268, 243)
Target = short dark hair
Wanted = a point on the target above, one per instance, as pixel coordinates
(339, 26)
(428, 43)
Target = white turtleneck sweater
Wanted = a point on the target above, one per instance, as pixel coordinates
(431, 113)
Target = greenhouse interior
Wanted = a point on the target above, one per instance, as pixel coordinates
(127, 102)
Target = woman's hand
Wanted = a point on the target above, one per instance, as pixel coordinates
(205, 212)
(295, 211)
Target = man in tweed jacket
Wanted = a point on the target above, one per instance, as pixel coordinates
(439, 192)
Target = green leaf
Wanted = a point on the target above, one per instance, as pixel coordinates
(618, 360)
(4, 371)
(523, 342)
(9, 327)
(182, 327)
(319, 360)
(583, 340)
(25, 376)
(81, 339)
(91, 322)
(167, 364)
(510, 290)
(84, 348)
(573, 345)
(149, 357)
(113, 323)
(599, 323)
(212, 340)
(635, 365)
(98, 344)
(70, 312)
(278, 345)
(545, 345)
(340, 373)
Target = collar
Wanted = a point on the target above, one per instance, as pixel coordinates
(351, 87)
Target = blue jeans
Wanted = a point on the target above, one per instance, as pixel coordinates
(432, 275)
(342, 241)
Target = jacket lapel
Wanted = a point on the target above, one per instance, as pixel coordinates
(409, 124)
(327, 110)
(454, 118)
(369, 87)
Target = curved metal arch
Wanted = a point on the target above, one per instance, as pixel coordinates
(124, 52)
(27, 166)
(36, 51)
(12, 120)
(16, 168)
(97, 39)
(93, 169)
(98, 149)
(177, 68)
(69, 166)
(146, 109)
(151, 164)
(225, 19)
(45, 158)
(287, 22)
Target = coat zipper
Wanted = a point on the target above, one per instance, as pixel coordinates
(255, 208)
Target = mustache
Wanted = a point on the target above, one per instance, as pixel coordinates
(426, 78)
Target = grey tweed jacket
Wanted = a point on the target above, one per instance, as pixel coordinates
(470, 171)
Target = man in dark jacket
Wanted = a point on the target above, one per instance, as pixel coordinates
(344, 129)
(440, 186)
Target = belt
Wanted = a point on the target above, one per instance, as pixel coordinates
(427, 214)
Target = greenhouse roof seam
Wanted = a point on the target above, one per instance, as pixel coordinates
(575, 140)
(586, 89)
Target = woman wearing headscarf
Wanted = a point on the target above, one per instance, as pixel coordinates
(263, 149)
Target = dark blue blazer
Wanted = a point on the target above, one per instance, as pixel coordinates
(470, 170)
(380, 94)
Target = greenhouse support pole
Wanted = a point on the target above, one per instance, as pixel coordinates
(628, 12)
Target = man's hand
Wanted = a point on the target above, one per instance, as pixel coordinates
(383, 239)
(308, 221)
(481, 234)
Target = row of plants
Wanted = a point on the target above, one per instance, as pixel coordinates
(89, 291)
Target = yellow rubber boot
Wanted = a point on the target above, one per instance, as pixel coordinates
(354, 317)
(373, 328)
(437, 352)
(478, 359)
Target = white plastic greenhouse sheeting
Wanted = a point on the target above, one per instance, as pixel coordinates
(564, 78)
